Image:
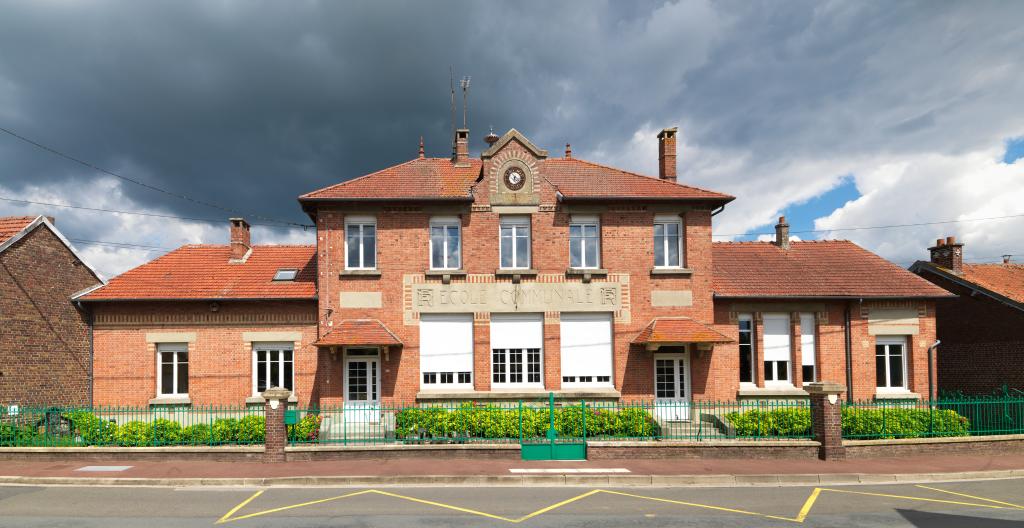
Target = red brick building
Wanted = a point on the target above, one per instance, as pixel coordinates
(45, 344)
(514, 274)
(982, 349)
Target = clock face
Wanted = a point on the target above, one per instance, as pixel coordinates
(514, 178)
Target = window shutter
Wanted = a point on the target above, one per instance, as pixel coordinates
(446, 343)
(776, 337)
(586, 343)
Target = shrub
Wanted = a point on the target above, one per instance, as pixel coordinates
(225, 430)
(135, 434)
(902, 423)
(307, 430)
(775, 423)
(165, 432)
(467, 421)
(198, 434)
(251, 430)
(92, 429)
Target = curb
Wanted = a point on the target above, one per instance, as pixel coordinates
(616, 480)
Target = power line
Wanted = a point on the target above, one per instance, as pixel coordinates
(140, 213)
(124, 245)
(891, 226)
(137, 182)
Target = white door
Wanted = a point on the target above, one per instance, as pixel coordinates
(362, 389)
(672, 386)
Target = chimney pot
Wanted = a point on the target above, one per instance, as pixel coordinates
(782, 233)
(240, 240)
(949, 254)
(1006, 259)
(462, 147)
(568, 151)
(667, 154)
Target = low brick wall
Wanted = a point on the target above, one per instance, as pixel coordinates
(968, 445)
(445, 451)
(704, 450)
(216, 454)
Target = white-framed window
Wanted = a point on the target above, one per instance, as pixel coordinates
(808, 348)
(360, 242)
(668, 241)
(172, 369)
(586, 355)
(777, 350)
(445, 242)
(515, 242)
(891, 363)
(746, 345)
(446, 351)
(273, 365)
(584, 242)
(517, 346)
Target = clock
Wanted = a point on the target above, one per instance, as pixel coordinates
(515, 178)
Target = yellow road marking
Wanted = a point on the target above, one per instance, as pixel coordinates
(1010, 504)
(913, 498)
(293, 506)
(447, 506)
(807, 505)
(696, 505)
(239, 507)
(558, 505)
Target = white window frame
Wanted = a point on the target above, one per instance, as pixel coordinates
(517, 222)
(267, 347)
(748, 318)
(174, 348)
(436, 380)
(362, 222)
(667, 220)
(588, 317)
(585, 221)
(888, 341)
(526, 364)
(675, 357)
(808, 345)
(775, 382)
(445, 222)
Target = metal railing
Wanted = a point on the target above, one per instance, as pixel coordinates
(130, 426)
(942, 417)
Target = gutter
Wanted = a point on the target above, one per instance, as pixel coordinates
(836, 297)
(848, 343)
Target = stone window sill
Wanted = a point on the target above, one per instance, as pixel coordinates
(597, 272)
(683, 272)
(897, 395)
(171, 400)
(519, 394)
(511, 272)
(772, 392)
(359, 273)
(258, 400)
(443, 272)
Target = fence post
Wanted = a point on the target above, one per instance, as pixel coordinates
(276, 432)
(827, 418)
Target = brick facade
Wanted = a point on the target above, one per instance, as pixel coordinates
(44, 337)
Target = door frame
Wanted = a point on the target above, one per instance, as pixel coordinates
(685, 355)
(346, 357)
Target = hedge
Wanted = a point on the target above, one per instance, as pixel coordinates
(468, 421)
(90, 430)
(857, 423)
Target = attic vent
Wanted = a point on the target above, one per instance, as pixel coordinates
(285, 274)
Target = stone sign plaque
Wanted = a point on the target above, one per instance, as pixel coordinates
(508, 297)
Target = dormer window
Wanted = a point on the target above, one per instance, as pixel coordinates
(285, 274)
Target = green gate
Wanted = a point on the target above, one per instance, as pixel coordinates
(552, 446)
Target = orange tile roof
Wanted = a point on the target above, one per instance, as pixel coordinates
(828, 268)
(359, 332)
(439, 178)
(203, 272)
(679, 330)
(12, 225)
(1005, 279)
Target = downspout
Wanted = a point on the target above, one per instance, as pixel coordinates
(849, 354)
(931, 374)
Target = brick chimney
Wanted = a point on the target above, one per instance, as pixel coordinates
(948, 254)
(667, 154)
(240, 240)
(782, 233)
(462, 147)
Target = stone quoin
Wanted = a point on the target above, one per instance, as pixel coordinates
(508, 275)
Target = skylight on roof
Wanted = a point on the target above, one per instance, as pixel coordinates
(286, 274)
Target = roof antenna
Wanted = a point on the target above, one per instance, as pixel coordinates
(451, 77)
(464, 83)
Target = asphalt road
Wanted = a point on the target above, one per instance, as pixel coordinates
(981, 504)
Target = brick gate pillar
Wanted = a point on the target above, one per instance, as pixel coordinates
(276, 432)
(827, 418)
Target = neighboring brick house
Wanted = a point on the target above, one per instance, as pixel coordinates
(982, 349)
(514, 274)
(44, 337)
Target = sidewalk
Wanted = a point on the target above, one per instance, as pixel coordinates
(420, 471)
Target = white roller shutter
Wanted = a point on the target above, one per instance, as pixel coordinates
(446, 343)
(586, 341)
(776, 337)
(807, 339)
(517, 330)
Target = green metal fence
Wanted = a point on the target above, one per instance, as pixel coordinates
(130, 426)
(943, 417)
(529, 421)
